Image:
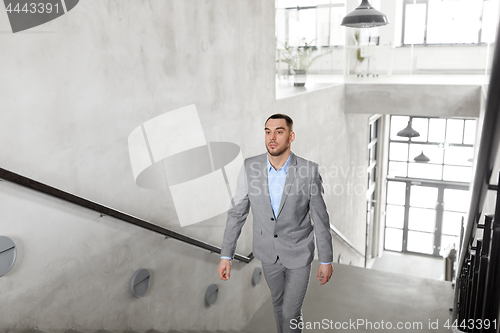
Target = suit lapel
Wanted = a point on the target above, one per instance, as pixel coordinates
(265, 184)
(290, 176)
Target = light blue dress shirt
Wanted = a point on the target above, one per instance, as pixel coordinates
(276, 182)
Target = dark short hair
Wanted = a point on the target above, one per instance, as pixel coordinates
(289, 121)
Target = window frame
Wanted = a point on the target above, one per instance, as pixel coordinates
(438, 228)
(430, 143)
(319, 6)
(426, 2)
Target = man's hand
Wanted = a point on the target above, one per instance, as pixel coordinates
(324, 273)
(224, 269)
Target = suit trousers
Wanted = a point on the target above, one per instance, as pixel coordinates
(288, 289)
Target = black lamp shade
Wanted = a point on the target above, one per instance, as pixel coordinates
(408, 132)
(365, 16)
(421, 158)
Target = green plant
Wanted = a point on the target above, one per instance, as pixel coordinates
(358, 51)
(303, 56)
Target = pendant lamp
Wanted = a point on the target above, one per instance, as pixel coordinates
(408, 132)
(365, 16)
(421, 158)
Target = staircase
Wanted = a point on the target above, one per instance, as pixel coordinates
(354, 294)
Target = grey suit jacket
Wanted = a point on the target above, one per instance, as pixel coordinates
(290, 234)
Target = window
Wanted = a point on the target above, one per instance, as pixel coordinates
(431, 22)
(316, 22)
(424, 217)
(448, 143)
(426, 202)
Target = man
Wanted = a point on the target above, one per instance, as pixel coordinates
(285, 192)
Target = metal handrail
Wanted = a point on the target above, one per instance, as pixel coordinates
(80, 201)
(66, 196)
(345, 240)
(487, 153)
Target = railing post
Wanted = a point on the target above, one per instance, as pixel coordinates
(470, 275)
(491, 304)
(483, 269)
(458, 277)
(475, 276)
(462, 292)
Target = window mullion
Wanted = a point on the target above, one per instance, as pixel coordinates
(426, 20)
(479, 34)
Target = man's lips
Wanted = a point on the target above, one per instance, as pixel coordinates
(273, 145)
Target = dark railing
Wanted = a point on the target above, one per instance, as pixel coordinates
(104, 210)
(477, 290)
(34, 185)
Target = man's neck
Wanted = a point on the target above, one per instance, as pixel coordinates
(279, 161)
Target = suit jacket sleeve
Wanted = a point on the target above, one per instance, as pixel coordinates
(320, 217)
(236, 216)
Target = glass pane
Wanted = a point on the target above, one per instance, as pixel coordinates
(398, 123)
(397, 169)
(426, 171)
(281, 26)
(436, 130)
(373, 130)
(452, 222)
(422, 219)
(396, 193)
(415, 23)
(458, 155)
(373, 153)
(449, 241)
(302, 27)
(451, 21)
(420, 242)
(300, 3)
(423, 197)
(393, 239)
(373, 175)
(470, 132)
(394, 216)
(457, 174)
(431, 151)
(337, 32)
(454, 131)
(323, 26)
(456, 200)
(398, 151)
(420, 125)
(490, 19)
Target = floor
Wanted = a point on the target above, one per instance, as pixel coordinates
(410, 264)
(361, 300)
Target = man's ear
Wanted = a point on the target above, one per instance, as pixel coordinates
(292, 136)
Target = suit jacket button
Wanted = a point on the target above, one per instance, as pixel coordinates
(275, 236)
(272, 218)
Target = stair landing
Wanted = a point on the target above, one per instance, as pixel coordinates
(354, 294)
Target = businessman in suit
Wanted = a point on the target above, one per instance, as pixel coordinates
(285, 193)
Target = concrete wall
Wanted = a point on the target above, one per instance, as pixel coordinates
(74, 267)
(414, 99)
(73, 89)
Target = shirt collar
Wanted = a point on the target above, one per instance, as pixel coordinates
(284, 167)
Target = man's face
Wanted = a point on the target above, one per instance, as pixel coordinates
(278, 136)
